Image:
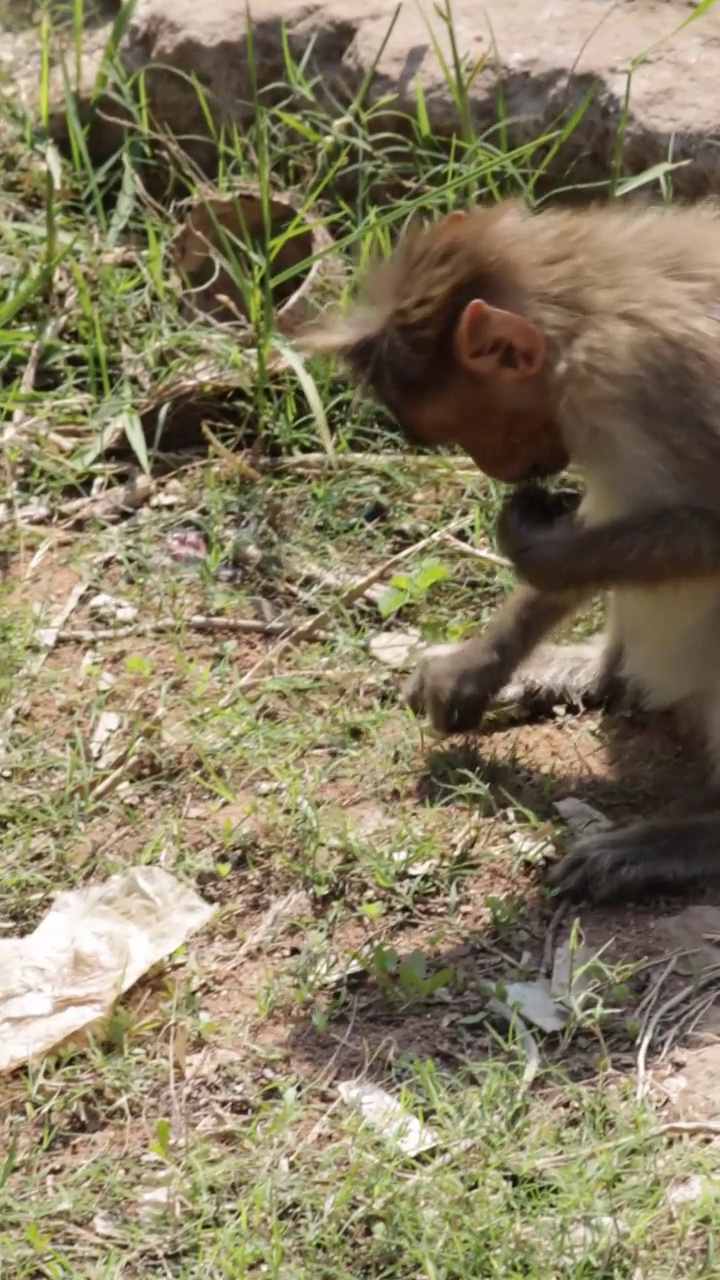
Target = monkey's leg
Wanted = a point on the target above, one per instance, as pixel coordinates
(667, 854)
(456, 688)
(580, 675)
(661, 855)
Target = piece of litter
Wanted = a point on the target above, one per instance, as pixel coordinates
(47, 637)
(91, 947)
(529, 847)
(413, 866)
(385, 1113)
(524, 1036)
(586, 1234)
(394, 648)
(692, 1189)
(159, 1200)
(112, 609)
(186, 546)
(108, 722)
(329, 972)
(534, 1001)
(105, 1227)
(582, 817)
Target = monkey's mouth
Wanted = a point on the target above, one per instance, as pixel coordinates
(537, 472)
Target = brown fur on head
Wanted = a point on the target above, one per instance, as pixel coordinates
(439, 335)
(397, 339)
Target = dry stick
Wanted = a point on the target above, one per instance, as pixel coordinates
(664, 1008)
(128, 769)
(693, 1128)
(353, 592)
(477, 552)
(548, 955)
(687, 1023)
(195, 622)
(367, 462)
(648, 1001)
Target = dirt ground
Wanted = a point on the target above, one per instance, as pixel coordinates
(625, 765)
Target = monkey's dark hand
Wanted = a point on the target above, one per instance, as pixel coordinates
(537, 530)
(454, 691)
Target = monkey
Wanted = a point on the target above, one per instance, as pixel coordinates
(595, 330)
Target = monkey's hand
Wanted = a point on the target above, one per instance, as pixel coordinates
(537, 530)
(455, 690)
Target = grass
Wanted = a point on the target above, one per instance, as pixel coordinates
(370, 890)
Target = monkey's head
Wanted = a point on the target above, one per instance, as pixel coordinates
(439, 337)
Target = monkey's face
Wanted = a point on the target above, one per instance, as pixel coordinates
(494, 398)
(507, 430)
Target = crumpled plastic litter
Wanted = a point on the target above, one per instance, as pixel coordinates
(62, 981)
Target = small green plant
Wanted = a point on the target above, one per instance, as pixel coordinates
(412, 587)
(408, 978)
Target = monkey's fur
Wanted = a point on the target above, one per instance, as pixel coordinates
(604, 325)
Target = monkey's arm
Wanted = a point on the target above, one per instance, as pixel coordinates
(455, 690)
(554, 552)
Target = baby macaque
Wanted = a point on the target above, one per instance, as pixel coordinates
(589, 338)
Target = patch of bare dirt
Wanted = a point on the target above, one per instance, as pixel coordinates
(471, 797)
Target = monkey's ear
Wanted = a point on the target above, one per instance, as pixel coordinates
(489, 341)
(455, 215)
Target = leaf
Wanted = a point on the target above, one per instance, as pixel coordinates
(441, 978)
(413, 967)
(653, 174)
(132, 426)
(534, 1001)
(125, 204)
(53, 164)
(390, 601)
(313, 398)
(571, 972)
(429, 574)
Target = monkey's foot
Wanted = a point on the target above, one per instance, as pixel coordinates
(647, 857)
(455, 684)
(452, 688)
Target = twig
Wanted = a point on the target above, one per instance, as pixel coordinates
(465, 839)
(477, 553)
(233, 461)
(688, 1022)
(367, 462)
(311, 627)
(664, 1008)
(129, 768)
(549, 945)
(693, 1128)
(651, 994)
(195, 622)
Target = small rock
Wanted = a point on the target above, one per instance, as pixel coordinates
(394, 647)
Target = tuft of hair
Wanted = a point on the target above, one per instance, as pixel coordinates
(396, 338)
